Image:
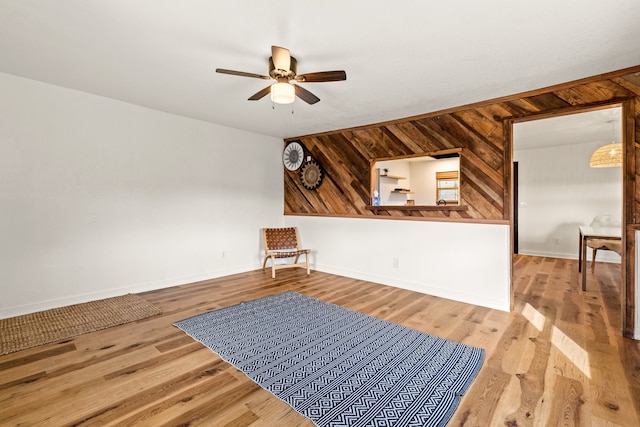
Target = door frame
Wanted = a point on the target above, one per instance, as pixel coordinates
(627, 270)
(515, 208)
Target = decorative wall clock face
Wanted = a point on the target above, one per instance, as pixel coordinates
(311, 175)
(293, 156)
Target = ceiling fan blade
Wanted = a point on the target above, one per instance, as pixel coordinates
(261, 94)
(281, 58)
(322, 76)
(241, 73)
(305, 95)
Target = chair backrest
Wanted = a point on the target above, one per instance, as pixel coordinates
(280, 238)
(605, 221)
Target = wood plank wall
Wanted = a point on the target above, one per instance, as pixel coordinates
(483, 131)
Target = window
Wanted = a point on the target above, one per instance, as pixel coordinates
(447, 188)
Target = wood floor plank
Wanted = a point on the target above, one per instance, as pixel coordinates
(139, 402)
(558, 359)
(483, 399)
(566, 410)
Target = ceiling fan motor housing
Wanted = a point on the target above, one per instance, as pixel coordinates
(279, 75)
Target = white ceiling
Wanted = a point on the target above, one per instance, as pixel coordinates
(603, 126)
(402, 58)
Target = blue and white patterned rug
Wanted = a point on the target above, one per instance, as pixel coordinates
(339, 367)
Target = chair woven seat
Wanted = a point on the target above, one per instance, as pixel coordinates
(289, 254)
(605, 244)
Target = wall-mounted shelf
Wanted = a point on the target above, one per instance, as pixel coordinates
(393, 176)
(403, 192)
(446, 210)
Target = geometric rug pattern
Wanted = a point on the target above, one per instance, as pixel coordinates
(339, 367)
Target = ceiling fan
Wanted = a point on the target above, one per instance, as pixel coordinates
(283, 68)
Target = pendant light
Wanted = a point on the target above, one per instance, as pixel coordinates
(609, 155)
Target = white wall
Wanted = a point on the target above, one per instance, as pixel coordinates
(558, 192)
(100, 198)
(425, 178)
(637, 313)
(387, 185)
(459, 261)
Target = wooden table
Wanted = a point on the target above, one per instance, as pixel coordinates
(588, 233)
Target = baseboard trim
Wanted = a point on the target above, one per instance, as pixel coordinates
(6, 312)
(603, 256)
(427, 289)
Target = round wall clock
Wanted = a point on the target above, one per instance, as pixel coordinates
(311, 175)
(293, 156)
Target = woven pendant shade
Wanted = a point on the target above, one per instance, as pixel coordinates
(607, 156)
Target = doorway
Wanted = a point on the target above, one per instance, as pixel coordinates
(565, 234)
(555, 190)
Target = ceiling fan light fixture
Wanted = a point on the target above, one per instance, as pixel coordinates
(283, 68)
(283, 93)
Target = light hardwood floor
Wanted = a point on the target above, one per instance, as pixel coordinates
(558, 359)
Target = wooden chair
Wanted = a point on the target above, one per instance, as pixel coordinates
(280, 243)
(603, 244)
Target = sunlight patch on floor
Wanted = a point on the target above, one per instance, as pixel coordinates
(576, 354)
(533, 316)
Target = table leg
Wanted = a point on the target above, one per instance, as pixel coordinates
(584, 262)
(579, 251)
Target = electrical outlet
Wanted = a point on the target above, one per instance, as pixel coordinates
(556, 241)
(223, 254)
(396, 263)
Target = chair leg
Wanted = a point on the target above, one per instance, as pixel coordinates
(593, 260)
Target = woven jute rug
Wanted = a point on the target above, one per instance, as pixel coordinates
(43, 327)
